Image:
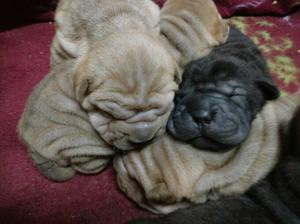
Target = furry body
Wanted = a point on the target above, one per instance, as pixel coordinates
(274, 200)
(58, 132)
(169, 174)
(79, 24)
(190, 29)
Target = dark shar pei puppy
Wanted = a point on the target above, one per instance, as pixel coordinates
(275, 200)
(221, 94)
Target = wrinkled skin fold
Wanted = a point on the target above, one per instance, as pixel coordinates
(273, 200)
(57, 131)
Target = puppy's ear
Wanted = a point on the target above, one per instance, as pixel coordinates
(68, 43)
(268, 89)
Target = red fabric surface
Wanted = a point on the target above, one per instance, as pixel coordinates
(252, 7)
(229, 8)
(279, 40)
(14, 13)
(18, 12)
(256, 7)
(25, 195)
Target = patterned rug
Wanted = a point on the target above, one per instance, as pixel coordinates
(279, 40)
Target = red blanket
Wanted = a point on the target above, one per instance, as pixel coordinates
(256, 7)
(14, 12)
(253, 7)
(28, 197)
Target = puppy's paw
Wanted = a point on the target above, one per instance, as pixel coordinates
(89, 165)
(52, 170)
(57, 173)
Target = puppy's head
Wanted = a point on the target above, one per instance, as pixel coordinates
(127, 84)
(217, 102)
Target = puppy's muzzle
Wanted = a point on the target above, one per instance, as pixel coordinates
(142, 132)
(209, 121)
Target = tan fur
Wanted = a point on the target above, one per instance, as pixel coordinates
(191, 28)
(138, 97)
(169, 174)
(80, 23)
(57, 131)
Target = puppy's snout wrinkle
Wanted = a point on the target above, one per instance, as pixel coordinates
(147, 116)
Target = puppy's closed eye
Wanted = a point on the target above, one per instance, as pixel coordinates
(239, 100)
(239, 91)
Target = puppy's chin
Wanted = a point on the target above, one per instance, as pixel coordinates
(219, 145)
(214, 142)
(209, 145)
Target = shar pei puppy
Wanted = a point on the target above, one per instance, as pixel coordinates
(221, 94)
(115, 68)
(170, 174)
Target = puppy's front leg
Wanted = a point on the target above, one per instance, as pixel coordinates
(58, 132)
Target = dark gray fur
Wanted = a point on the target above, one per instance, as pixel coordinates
(221, 94)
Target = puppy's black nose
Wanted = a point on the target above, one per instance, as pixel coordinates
(203, 116)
